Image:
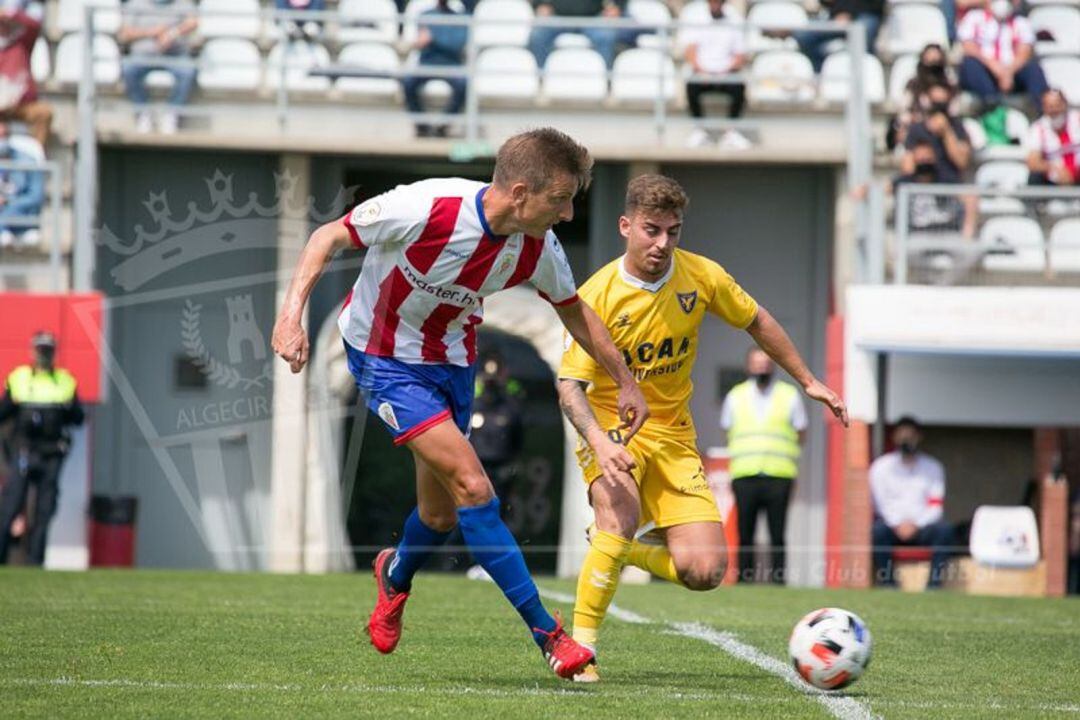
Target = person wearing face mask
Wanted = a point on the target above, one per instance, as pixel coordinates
(931, 71)
(908, 491)
(42, 399)
(22, 193)
(765, 421)
(999, 56)
(1053, 143)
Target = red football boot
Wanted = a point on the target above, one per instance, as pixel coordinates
(384, 627)
(566, 656)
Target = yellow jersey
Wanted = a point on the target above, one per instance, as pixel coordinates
(655, 326)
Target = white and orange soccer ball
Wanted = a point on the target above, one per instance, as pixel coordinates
(830, 648)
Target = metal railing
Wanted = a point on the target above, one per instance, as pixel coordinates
(972, 235)
(48, 221)
(856, 111)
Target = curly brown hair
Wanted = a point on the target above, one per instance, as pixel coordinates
(655, 194)
(536, 156)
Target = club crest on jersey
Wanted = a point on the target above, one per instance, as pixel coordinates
(367, 213)
(687, 301)
(623, 321)
(386, 412)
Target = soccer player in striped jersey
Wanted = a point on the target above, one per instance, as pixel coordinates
(434, 250)
(653, 300)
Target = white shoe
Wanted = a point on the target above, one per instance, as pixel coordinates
(169, 123)
(478, 573)
(30, 238)
(699, 138)
(144, 122)
(734, 140)
(7, 238)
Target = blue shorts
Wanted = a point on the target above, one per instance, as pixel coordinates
(410, 398)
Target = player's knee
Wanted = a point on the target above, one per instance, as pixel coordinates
(471, 488)
(703, 574)
(438, 520)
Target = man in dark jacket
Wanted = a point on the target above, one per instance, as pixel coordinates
(42, 398)
(441, 46)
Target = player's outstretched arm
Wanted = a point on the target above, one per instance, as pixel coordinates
(586, 327)
(612, 457)
(290, 339)
(773, 339)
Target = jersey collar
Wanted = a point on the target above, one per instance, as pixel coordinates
(483, 219)
(640, 284)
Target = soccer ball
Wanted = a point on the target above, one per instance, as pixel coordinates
(830, 648)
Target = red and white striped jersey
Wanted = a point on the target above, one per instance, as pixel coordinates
(431, 260)
(996, 39)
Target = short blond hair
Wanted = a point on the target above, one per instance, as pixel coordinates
(654, 195)
(534, 157)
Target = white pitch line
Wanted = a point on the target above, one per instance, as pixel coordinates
(844, 708)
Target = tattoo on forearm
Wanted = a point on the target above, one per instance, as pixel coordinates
(576, 407)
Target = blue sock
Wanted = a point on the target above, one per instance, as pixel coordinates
(494, 547)
(418, 542)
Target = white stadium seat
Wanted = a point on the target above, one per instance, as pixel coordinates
(503, 22)
(903, 70)
(836, 78)
(911, 27)
(229, 18)
(367, 20)
(40, 62)
(641, 75)
(507, 72)
(975, 132)
(692, 13)
(409, 28)
(1065, 245)
(1064, 72)
(575, 74)
(69, 59)
(370, 56)
(772, 15)
(784, 76)
(298, 57)
(229, 64)
(653, 12)
(1012, 243)
(1004, 175)
(572, 40)
(1063, 23)
(70, 15)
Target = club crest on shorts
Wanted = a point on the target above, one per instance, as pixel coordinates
(386, 412)
(687, 301)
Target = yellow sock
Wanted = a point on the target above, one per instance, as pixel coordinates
(597, 583)
(655, 559)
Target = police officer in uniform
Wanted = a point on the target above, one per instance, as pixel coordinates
(765, 420)
(42, 399)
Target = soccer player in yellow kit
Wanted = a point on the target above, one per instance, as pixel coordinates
(653, 300)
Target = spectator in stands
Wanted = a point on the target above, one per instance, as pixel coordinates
(603, 39)
(867, 13)
(908, 491)
(22, 193)
(297, 28)
(157, 33)
(955, 11)
(713, 52)
(942, 129)
(931, 70)
(441, 46)
(999, 55)
(20, 26)
(935, 213)
(1053, 143)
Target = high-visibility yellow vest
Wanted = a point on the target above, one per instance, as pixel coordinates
(28, 387)
(766, 445)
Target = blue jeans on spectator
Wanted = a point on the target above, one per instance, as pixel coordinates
(948, 9)
(135, 70)
(414, 85)
(603, 40)
(938, 536)
(812, 43)
(976, 78)
(13, 210)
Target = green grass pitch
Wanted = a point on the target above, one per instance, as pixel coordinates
(178, 644)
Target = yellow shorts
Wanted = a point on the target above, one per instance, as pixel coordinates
(670, 477)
